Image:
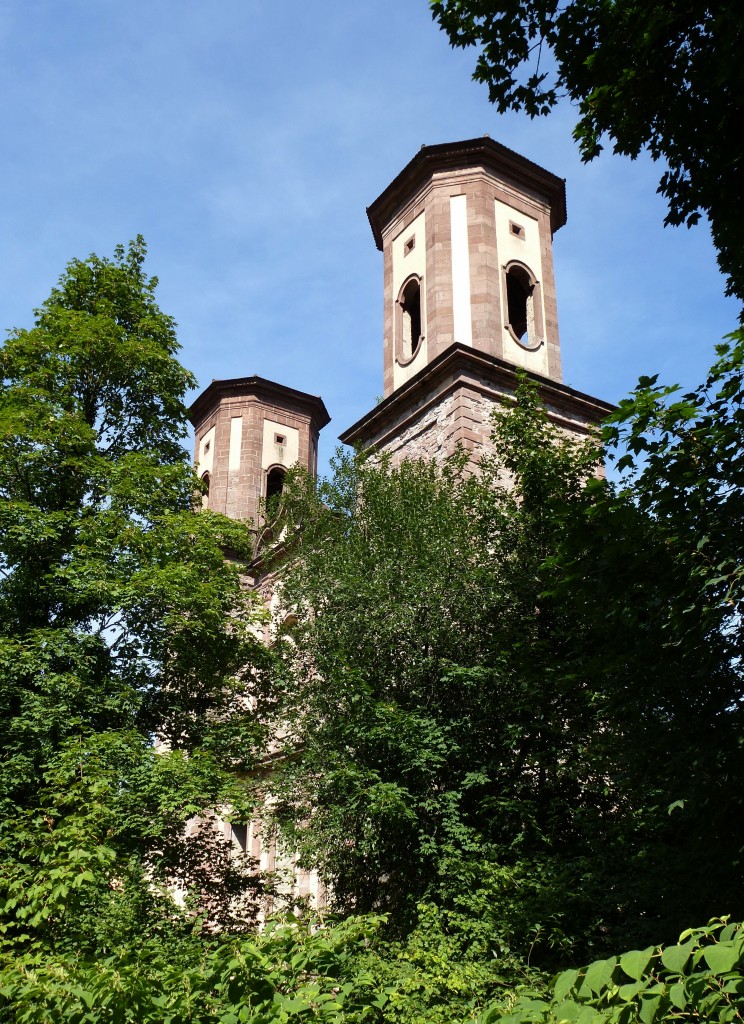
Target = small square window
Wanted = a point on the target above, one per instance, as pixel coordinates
(207, 446)
(409, 245)
(516, 229)
(280, 439)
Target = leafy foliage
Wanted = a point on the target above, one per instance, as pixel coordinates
(483, 682)
(701, 977)
(290, 972)
(453, 961)
(655, 76)
(683, 459)
(406, 750)
(120, 621)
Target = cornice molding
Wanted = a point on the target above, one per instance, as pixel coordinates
(258, 387)
(461, 364)
(452, 156)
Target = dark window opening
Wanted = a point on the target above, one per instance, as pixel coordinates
(240, 835)
(274, 483)
(410, 304)
(205, 492)
(518, 294)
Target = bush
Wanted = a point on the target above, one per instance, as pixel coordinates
(701, 978)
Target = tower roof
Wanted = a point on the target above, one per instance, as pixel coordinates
(451, 156)
(260, 388)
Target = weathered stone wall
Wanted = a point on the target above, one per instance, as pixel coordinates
(450, 405)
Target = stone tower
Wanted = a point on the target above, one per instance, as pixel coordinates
(248, 432)
(466, 232)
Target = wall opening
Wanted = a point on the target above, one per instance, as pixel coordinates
(274, 483)
(518, 293)
(523, 308)
(205, 492)
(240, 837)
(410, 318)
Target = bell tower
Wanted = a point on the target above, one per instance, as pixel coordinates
(466, 233)
(248, 432)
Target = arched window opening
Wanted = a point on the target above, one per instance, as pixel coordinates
(274, 483)
(205, 492)
(410, 304)
(523, 305)
(519, 301)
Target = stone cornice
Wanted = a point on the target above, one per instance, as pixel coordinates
(454, 156)
(461, 364)
(259, 387)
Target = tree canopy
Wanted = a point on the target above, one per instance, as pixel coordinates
(666, 78)
(502, 687)
(121, 624)
(504, 713)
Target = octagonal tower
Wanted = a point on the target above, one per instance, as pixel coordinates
(466, 232)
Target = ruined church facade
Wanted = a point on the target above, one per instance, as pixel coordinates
(466, 234)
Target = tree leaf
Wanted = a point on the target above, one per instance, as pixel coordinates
(636, 961)
(674, 958)
(722, 957)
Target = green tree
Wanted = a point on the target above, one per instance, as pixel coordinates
(682, 458)
(120, 620)
(680, 463)
(491, 708)
(666, 78)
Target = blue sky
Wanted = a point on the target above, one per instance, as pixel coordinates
(244, 139)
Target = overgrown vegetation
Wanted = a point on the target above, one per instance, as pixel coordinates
(504, 686)
(285, 973)
(511, 705)
(701, 977)
(120, 621)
